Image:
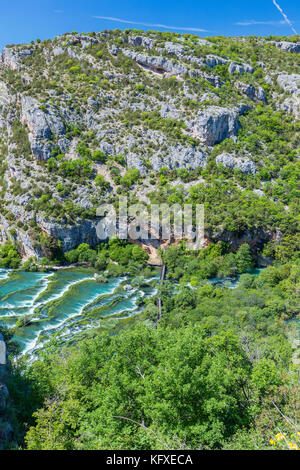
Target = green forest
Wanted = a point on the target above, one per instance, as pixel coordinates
(217, 371)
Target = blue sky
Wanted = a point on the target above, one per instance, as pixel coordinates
(21, 21)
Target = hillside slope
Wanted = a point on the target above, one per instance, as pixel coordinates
(162, 117)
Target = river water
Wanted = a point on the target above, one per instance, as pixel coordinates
(69, 304)
(64, 304)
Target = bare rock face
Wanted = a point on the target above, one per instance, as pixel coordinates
(290, 84)
(4, 94)
(240, 68)
(212, 60)
(42, 125)
(5, 101)
(113, 49)
(168, 111)
(289, 46)
(180, 157)
(251, 92)
(71, 235)
(25, 242)
(11, 58)
(141, 41)
(215, 124)
(35, 118)
(229, 161)
(291, 105)
(174, 49)
(156, 64)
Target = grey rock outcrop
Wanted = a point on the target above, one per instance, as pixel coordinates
(25, 242)
(114, 50)
(156, 64)
(58, 50)
(180, 157)
(11, 57)
(78, 39)
(141, 41)
(268, 80)
(174, 49)
(215, 80)
(167, 111)
(213, 60)
(290, 84)
(64, 144)
(35, 118)
(71, 235)
(42, 125)
(4, 94)
(229, 161)
(240, 68)
(215, 124)
(251, 92)
(291, 105)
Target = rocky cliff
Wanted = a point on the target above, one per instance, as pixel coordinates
(77, 113)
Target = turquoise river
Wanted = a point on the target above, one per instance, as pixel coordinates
(64, 304)
(68, 305)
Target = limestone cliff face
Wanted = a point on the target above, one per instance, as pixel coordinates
(291, 85)
(229, 161)
(215, 124)
(42, 126)
(289, 46)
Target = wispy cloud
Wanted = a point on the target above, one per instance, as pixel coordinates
(151, 25)
(255, 22)
(58, 11)
(284, 16)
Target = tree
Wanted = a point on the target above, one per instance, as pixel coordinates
(101, 262)
(146, 387)
(9, 256)
(99, 156)
(139, 254)
(132, 176)
(228, 267)
(102, 183)
(244, 258)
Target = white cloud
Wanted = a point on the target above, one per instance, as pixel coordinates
(284, 16)
(120, 20)
(58, 11)
(255, 22)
